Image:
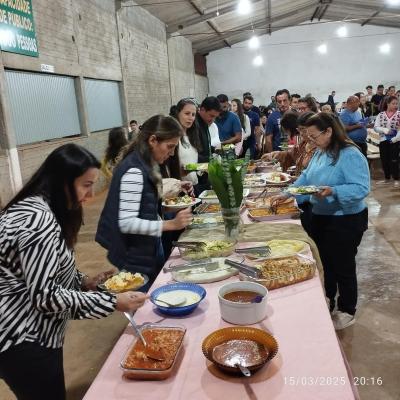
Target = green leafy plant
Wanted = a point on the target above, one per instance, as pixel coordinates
(226, 175)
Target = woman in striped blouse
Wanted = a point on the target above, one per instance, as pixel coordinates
(40, 287)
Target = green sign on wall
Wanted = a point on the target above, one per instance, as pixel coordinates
(17, 30)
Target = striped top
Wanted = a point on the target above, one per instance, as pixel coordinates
(40, 287)
(130, 197)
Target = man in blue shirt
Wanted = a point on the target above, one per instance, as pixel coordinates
(273, 128)
(355, 124)
(253, 139)
(229, 127)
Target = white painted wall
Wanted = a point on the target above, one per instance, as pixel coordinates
(349, 66)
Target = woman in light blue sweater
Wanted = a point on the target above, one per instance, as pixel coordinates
(339, 212)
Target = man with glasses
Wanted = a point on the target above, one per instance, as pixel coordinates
(354, 123)
(273, 129)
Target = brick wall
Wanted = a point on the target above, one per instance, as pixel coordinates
(144, 58)
(31, 156)
(181, 64)
(88, 38)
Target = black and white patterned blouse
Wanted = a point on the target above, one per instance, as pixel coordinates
(40, 287)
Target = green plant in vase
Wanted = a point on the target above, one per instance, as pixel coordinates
(226, 175)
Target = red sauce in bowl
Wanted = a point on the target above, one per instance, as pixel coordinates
(241, 296)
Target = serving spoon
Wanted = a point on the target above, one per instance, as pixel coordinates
(178, 301)
(151, 353)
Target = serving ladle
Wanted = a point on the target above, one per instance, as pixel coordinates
(150, 352)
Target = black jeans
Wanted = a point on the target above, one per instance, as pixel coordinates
(337, 239)
(33, 372)
(306, 216)
(389, 153)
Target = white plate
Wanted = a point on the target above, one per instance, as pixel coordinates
(181, 206)
(199, 275)
(268, 178)
(213, 199)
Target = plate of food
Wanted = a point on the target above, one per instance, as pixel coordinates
(268, 201)
(207, 208)
(180, 202)
(254, 180)
(303, 190)
(206, 249)
(280, 211)
(277, 178)
(210, 196)
(206, 220)
(286, 247)
(279, 272)
(124, 281)
(205, 271)
(193, 167)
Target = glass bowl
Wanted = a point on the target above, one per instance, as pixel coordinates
(242, 333)
(156, 372)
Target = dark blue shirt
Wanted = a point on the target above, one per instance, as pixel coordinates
(353, 118)
(254, 120)
(228, 126)
(274, 128)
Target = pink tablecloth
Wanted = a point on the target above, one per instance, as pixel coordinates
(309, 364)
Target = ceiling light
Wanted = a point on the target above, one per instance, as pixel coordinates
(342, 31)
(244, 7)
(393, 2)
(254, 42)
(258, 61)
(385, 48)
(323, 48)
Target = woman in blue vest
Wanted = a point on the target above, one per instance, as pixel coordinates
(130, 227)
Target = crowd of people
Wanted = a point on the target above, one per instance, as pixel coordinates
(40, 286)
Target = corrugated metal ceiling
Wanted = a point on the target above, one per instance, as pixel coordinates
(198, 20)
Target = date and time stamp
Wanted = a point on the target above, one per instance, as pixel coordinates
(332, 381)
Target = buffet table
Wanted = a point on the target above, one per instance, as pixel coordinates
(309, 364)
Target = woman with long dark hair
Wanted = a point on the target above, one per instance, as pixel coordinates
(40, 287)
(187, 151)
(237, 108)
(339, 212)
(130, 227)
(116, 142)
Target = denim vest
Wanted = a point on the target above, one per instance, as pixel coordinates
(136, 253)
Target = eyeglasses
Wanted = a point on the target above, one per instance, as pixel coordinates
(314, 137)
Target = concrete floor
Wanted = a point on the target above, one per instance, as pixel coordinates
(372, 345)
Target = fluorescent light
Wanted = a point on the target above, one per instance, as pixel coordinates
(393, 2)
(385, 48)
(258, 61)
(342, 31)
(323, 48)
(244, 7)
(254, 42)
